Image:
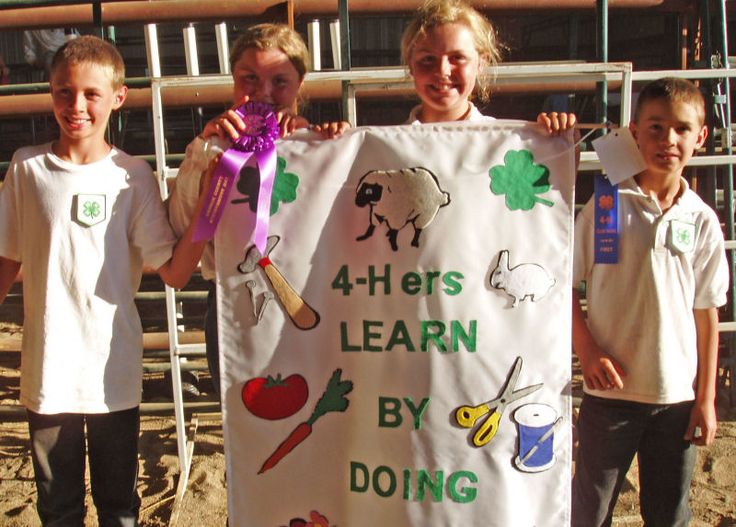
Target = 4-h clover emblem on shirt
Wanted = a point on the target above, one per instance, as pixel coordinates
(90, 209)
(682, 236)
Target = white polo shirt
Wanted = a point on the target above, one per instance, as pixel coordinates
(640, 310)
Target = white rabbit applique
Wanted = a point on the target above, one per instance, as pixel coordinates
(525, 280)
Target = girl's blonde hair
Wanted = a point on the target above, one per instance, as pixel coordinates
(273, 36)
(89, 49)
(435, 13)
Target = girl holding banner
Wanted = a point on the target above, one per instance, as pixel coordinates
(447, 47)
(268, 64)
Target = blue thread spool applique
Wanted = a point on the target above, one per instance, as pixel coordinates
(537, 423)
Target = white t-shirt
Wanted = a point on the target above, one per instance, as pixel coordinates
(640, 310)
(82, 234)
(473, 115)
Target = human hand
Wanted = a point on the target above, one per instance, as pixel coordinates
(555, 123)
(703, 420)
(288, 122)
(206, 179)
(600, 370)
(227, 125)
(331, 130)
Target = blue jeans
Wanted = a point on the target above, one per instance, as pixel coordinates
(58, 454)
(212, 347)
(611, 432)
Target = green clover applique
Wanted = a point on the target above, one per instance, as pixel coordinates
(683, 236)
(91, 209)
(284, 186)
(520, 179)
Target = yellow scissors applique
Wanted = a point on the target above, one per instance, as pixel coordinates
(468, 416)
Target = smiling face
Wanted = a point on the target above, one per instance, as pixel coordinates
(266, 75)
(445, 65)
(83, 97)
(668, 133)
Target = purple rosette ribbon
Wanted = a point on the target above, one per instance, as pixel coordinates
(258, 140)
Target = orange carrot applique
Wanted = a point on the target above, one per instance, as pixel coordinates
(332, 400)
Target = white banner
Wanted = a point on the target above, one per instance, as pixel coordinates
(401, 354)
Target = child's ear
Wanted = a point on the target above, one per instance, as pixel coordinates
(632, 128)
(702, 135)
(120, 95)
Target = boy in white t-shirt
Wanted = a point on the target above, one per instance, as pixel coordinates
(649, 349)
(83, 217)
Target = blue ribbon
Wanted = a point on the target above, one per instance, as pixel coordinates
(606, 231)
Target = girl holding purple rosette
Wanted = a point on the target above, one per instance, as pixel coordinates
(268, 64)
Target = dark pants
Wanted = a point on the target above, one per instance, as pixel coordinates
(611, 432)
(58, 453)
(212, 347)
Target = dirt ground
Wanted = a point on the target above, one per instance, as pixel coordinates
(713, 497)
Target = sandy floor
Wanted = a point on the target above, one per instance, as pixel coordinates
(205, 502)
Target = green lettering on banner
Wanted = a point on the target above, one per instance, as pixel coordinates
(407, 484)
(431, 277)
(342, 281)
(424, 481)
(400, 337)
(468, 338)
(355, 470)
(452, 281)
(432, 330)
(432, 333)
(389, 406)
(384, 493)
(344, 344)
(369, 336)
(465, 494)
(383, 482)
(373, 279)
(411, 283)
(417, 412)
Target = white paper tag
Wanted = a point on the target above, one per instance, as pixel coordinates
(619, 155)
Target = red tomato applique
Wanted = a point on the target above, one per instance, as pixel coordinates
(272, 399)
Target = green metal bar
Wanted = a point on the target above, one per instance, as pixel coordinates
(346, 65)
(601, 11)
(728, 208)
(707, 187)
(24, 89)
(43, 87)
(20, 4)
(97, 19)
(572, 47)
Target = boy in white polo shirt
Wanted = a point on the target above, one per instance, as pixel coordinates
(648, 351)
(83, 217)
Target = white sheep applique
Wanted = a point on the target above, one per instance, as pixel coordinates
(525, 280)
(400, 197)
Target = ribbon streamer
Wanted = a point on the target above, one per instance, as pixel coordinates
(258, 138)
(606, 231)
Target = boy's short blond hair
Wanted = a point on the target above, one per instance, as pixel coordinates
(433, 13)
(273, 36)
(671, 89)
(89, 49)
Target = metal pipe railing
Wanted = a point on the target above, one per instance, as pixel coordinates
(28, 14)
